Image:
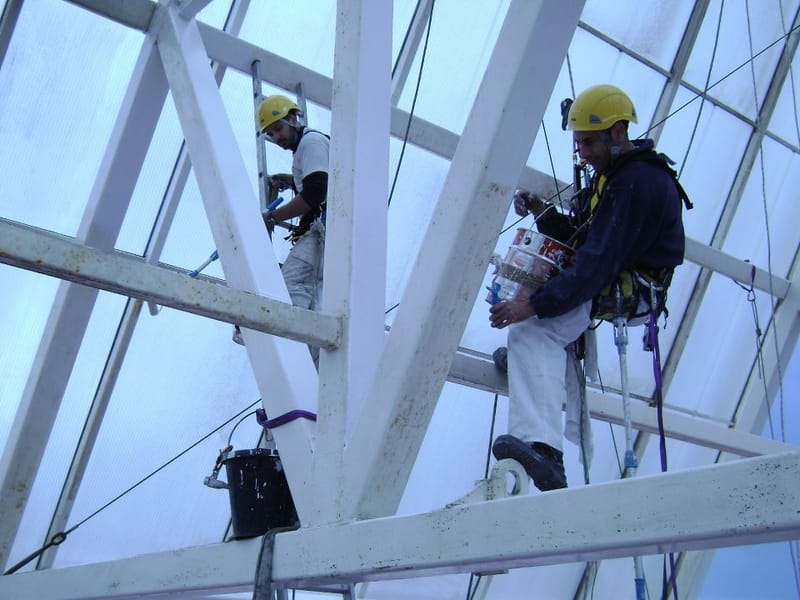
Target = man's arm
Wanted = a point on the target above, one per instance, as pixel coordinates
(315, 186)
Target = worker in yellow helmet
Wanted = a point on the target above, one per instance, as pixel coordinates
(280, 119)
(625, 226)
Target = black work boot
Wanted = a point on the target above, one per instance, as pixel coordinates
(500, 357)
(544, 464)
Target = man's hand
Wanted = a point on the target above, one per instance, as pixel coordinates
(525, 202)
(269, 222)
(510, 311)
(282, 181)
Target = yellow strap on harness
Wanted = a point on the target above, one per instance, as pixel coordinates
(600, 185)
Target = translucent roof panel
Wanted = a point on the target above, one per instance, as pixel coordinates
(730, 35)
(76, 99)
(163, 390)
(652, 30)
(453, 63)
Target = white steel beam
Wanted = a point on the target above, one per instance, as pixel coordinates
(183, 165)
(742, 271)
(355, 254)
(73, 304)
(646, 515)
(480, 373)
(52, 254)
(247, 259)
(639, 516)
(683, 427)
(133, 13)
(463, 230)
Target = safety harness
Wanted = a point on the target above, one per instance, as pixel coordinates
(643, 290)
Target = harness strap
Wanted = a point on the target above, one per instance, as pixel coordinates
(261, 417)
(652, 328)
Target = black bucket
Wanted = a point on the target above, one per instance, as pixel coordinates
(259, 494)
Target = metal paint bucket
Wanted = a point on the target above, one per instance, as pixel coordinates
(259, 493)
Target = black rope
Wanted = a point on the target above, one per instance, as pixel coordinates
(708, 79)
(491, 438)
(552, 164)
(59, 537)
(716, 83)
(767, 232)
(769, 255)
(616, 451)
(413, 104)
(473, 590)
(571, 80)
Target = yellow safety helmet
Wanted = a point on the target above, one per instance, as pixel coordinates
(599, 107)
(274, 108)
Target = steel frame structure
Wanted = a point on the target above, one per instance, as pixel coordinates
(356, 537)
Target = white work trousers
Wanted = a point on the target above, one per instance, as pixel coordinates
(537, 364)
(302, 269)
(302, 272)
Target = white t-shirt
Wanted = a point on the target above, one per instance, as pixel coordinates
(312, 154)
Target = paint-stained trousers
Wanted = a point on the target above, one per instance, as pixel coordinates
(537, 365)
(302, 272)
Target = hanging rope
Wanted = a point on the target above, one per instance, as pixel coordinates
(552, 164)
(571, 80)
(768, 241)
(751, 298)
(793, 545)
(708, 79)
(716, 83)
(413, 103)
(471, 591)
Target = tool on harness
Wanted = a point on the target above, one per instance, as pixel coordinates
(655, 303)
(306, 221)
(621, 341)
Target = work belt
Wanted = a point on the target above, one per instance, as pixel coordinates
(306, 221)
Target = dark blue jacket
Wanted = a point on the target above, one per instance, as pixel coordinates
(637, 224)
